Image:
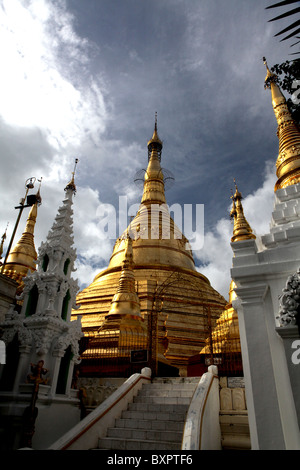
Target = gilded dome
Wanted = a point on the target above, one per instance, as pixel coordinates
(177, 303)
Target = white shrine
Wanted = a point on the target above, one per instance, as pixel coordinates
(38, 402)
(266, 273)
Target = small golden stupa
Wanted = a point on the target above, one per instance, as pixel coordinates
(241, 228)
(123, 330)
(223, 345)
(23, 256)
(176, 302)
(288, 132)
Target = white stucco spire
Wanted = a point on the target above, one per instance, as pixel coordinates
(61, 234)
(44, 327)
(56, 258)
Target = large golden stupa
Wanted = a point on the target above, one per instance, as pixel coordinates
(177, 304)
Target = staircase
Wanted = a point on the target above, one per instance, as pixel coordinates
(155, 419)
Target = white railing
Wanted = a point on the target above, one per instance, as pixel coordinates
(202, 425)
(86, 433)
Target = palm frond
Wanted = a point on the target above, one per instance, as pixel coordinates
(284, 15)
(282, 4)
(290, 35)
(292, 26)
(295, 43)
(295, 24)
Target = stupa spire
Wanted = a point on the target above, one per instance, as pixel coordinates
(154, 188)
(126, 302)
(71, 185)
(288, 132)
(241, 228)
(155, 143)
(61, 233)
(56, 257)
(23, 256)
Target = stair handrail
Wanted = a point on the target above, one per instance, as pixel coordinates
(85, 434)
(202, 425)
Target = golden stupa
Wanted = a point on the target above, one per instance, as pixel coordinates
(223, 346)
(23, 256)
(123, 330)
(176, 302)
(288, 132)
(241, 227)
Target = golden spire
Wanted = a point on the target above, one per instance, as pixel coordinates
(71, 184)
(154, 188)
(23, 256)
(155, 141)
(156, 237)
(288, 161)
(241, 228)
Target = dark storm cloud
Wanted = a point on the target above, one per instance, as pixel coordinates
(198, 64)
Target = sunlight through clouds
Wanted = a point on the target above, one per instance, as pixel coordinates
(46, 89)
(34, 86)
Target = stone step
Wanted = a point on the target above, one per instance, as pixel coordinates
(166, 393)
(154, 424)
(144, 434)
(176, 380)
(162, 400)
(152, 415)
(169, 386)
(158, 408)
(108, 443)
(154, 420)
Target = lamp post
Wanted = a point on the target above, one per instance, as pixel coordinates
(29, 184)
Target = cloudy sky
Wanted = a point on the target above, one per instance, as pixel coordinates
(84, 78)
